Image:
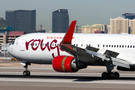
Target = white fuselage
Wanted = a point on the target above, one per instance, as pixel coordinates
(46, 46)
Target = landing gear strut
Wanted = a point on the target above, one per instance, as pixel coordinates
(26, 72)
(109, 74)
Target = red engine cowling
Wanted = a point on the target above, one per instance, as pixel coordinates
(64, 64)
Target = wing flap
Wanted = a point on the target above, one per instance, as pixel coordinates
(115, 61)
(92, 48)
(111, 53)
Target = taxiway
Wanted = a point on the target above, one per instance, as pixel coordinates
(43, 77)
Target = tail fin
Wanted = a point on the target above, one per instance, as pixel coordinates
(68, 36)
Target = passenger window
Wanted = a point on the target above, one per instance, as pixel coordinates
(103, 45)
(114, 45)
(98, 45)
(117, 46)
(128, 46)
(81, 45)
(122, 46)
(77, 45)
(106, 45)
(131, 46)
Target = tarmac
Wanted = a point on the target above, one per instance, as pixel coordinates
(43, 77)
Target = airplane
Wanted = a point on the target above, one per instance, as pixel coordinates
(71, 52)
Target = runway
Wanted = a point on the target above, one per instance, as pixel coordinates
(43, 77)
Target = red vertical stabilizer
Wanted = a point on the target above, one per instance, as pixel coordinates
(68, 37)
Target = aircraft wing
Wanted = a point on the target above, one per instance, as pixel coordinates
(90, 53)
(85, 54)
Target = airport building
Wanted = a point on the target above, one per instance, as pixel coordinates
(10, 18)
(107, 28)
(7, 29)
(132, 26)
(9, 38)
(118, 25)
(78, 29)
(3, 23)
(96, 28)
(22, 20)
(60, 21)
(3, 26)
(121, 25)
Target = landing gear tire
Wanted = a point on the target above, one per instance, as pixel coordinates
(110, 75)
(104, 75)
(116, 75)
(26, 73)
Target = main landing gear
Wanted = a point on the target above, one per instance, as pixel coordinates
(109, 74)
(26, 72)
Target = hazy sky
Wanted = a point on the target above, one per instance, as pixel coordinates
(84, 11)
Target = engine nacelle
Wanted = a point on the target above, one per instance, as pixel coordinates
(67, 64)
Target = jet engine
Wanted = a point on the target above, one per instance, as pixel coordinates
(67, 64)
